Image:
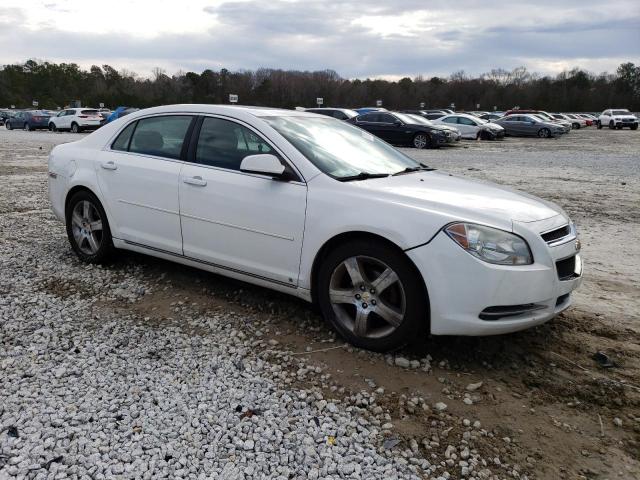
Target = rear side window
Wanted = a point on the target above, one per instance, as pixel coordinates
(160, 136)
(122, 142)
(339, 115)
(224, 144)
(451, 120)
(466, 121)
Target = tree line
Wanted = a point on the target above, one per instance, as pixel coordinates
(55, 85)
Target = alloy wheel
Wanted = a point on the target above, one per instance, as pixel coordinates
(420, 140)
(86, 225)
(367, 297)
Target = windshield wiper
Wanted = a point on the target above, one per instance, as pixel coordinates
(362, 176)
(421, 168)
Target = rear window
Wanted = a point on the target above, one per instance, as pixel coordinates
(89, 112)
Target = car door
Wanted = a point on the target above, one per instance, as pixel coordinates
(245, 223)
(370, 123)
(392, 130)
(138, 176)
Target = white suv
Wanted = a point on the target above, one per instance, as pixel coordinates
(618, 118)
(76, 120)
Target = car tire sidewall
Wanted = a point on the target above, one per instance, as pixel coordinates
(8, 126)
(106, 246)
(416, 320)
(52, 127)
(75, 128)
(544, 133)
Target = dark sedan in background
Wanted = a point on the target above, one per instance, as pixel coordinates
(400, 129)
(529, 126)
(29, 120)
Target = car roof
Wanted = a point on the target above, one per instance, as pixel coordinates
(236, 110)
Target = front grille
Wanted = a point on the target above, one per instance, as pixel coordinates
(496, 313)
(556, 234)
(566, 268)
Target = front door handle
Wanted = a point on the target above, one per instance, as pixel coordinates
(109, 166)
(197, 181)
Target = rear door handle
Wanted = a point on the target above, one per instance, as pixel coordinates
(109, 166)
(197, 181)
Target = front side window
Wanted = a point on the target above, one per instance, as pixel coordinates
(386, 118)
(225, 144)
(338, 148)
(160, 136)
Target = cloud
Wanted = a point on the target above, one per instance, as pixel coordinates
(388, 38)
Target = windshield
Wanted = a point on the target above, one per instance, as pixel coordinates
(620, 112)
(407, 119)
(339, 149)
(419, 119)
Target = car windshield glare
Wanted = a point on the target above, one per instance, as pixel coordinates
(339, 149)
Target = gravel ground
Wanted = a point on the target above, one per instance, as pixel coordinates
(147, 369)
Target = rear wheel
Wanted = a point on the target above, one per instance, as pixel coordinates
(421, 140)
(87, 228)
(372, 295)
(544, 133)
(26, 127)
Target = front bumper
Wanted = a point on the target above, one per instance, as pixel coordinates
(627, 124)
(471, 297)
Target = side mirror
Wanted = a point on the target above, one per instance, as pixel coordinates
(263, 164)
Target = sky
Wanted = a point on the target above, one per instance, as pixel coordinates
(356, 38)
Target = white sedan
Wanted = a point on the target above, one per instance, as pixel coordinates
(472, 127)
(312, 206)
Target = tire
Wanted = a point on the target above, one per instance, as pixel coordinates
(599, 125)
(75, 128)
(26, 127)
(634, 127)
(8, 125)
(90, 243)
(612, 125)
(389, 318)
(619, 127)
(421, 140)
(544, 133)
(52, 127)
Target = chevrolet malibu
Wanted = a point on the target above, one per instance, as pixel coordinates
(314, 207)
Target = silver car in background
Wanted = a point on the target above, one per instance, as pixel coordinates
(526, 125)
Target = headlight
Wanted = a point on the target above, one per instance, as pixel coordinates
(490, 244)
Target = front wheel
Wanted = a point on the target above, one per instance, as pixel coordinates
(599, 125)
(612, 125)
(8, 125)
(544, 133)
(421, 140)
(87, 228)
(634, 127)
(75, 128)
(372, 295)
(52, 127)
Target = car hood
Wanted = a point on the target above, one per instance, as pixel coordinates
(462, 199)
(630, 117)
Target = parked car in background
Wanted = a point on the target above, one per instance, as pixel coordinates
(28, 120)
(529, 125)
(562, 120)
(578, 122)
(76, 120)
(472, 127)
(405, 251)
(339, 113)
(121, 112)
(618, 118)
(362, 110)
(400, 129)
(455, 133)
(491, 116)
